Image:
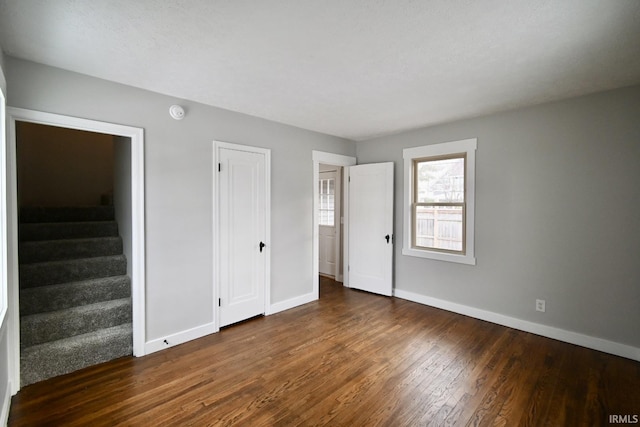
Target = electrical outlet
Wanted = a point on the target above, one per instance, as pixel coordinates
(540, 305)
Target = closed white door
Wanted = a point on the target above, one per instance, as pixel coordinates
(371, 227)
(328, 222)
(242, 248)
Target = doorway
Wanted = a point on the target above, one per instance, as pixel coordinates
(75, 293)
(330, 221)
(323, 161)
(128, 148)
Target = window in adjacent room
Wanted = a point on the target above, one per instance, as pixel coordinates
(327, 201)
(439, 201)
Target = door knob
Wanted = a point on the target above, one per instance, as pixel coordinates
(387, 237)
(262, 245)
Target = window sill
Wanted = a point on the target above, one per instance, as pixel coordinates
(440, 256)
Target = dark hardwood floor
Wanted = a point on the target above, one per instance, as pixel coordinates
(349, 359)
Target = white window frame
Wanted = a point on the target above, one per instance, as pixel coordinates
(320, 193)
(467, 146)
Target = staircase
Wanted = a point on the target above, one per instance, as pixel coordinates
(75, 296)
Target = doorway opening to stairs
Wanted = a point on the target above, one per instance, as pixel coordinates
(76, 208)
(75, 291)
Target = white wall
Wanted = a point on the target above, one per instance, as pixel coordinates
(557, 215)
(5, 392)
(178, 176)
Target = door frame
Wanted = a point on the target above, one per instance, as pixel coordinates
(335, 160)
(136, 136)
(217, 145)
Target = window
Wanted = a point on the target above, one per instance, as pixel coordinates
(439, 201)
(327, 201)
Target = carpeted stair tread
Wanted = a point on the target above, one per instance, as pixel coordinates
(65, 295)
(67, 230)
(55, 325)
(60, 249)
(66, 214)
(70, 354)
(53, 272)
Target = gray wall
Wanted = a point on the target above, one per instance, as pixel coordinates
(178, 175)
(557, 215)
(63, 167)
(122, 194)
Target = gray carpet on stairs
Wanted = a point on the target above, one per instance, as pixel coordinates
(75, 296)
(43, 299)
(67, 230)
(52, 272)
(55, 250)
(66, 214)
(70, 354)
(54, 325)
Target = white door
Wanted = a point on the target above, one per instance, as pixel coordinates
(371, 227)
(242, 234)
(327, 186)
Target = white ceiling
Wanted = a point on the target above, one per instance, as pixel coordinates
(350, 68)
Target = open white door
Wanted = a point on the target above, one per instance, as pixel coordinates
(371, 227)
(243, 232)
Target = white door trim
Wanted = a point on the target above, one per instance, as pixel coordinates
(217, 145)
(137, 223)
(337, 160)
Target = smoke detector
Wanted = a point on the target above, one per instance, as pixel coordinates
(177, 112)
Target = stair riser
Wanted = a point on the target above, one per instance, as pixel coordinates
(52, 359)
(55, 250)
(58, 297)
(72, 230)
(67, 214)
(41, 328)
(42, 274)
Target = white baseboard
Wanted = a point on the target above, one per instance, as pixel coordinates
(179, 338)
(582, 340)
(291, 303)
(209, 328)
(6, 405)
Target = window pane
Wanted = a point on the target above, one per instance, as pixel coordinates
(327, 201)
(439, 227)
(441, 181)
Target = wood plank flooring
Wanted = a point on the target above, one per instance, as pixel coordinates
(349, 359)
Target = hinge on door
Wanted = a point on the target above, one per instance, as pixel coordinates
(219, 302)
(219, 167)
(348, 268)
